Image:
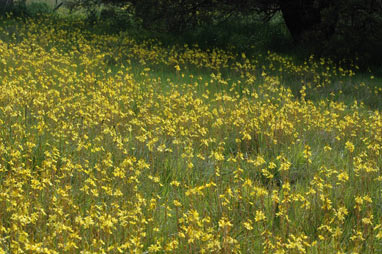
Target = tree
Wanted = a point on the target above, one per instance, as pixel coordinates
(307, 16)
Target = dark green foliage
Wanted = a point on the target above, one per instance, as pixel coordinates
(118, 19)
(173, 16)
(36, 9)
(358, 31)
(6, 6)
(17, 8)
(346, 29)
(22, 9)
(343, 29)
(250, 34)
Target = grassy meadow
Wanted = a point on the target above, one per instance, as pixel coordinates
(114, 145)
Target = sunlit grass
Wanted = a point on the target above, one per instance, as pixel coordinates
(112, 146)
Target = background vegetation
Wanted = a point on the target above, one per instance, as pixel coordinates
(346, 29)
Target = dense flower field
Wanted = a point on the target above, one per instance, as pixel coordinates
(109, 145)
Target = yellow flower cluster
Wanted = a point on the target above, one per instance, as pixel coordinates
(108, 145)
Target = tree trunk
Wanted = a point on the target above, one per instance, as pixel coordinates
(300, 16)
(317, 16)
